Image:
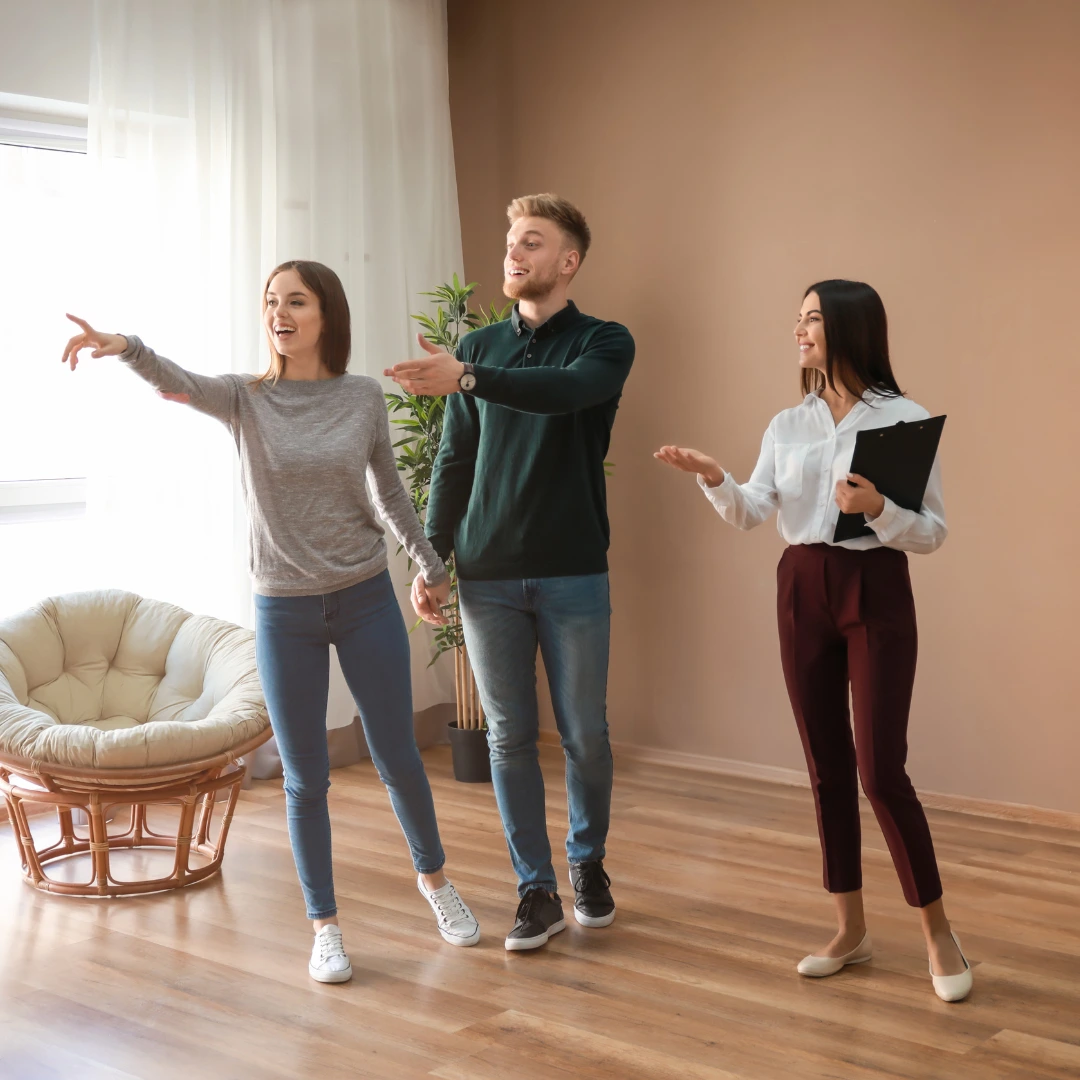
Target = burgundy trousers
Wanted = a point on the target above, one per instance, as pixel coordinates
(849, 617)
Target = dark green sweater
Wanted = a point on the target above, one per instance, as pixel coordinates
(518, 486)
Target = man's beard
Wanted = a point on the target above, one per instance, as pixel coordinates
(531, 287)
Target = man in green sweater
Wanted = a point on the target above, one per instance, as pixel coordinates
(518, 494)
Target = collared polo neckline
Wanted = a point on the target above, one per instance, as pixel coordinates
(559, 321)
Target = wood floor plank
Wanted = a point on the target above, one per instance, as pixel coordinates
(718, 881)
(600, 1057)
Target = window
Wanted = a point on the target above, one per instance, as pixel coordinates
(45, 423)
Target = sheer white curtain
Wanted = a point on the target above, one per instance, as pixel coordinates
(227, 137)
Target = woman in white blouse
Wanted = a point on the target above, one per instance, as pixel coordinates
(846, 612)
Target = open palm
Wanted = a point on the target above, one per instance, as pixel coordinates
(691, 461)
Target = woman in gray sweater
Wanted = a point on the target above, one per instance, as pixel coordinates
(310, 436)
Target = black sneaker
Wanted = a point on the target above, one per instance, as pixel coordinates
(593, 905)
(538, 917)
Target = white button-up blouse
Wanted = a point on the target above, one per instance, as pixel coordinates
(803, 455)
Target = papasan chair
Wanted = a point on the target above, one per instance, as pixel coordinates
(109, 701)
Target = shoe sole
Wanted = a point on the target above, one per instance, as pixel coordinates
(521, 944)
(592, 921)
(463, 942)
(330, 976)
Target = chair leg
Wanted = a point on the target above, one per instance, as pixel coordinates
(216, 850)
(138, 822)
(67, 827)
(206, 810)
(25, 840)
(99, 844)
(184, 833)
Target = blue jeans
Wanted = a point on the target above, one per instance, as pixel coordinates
(570, 619)
(293, 635)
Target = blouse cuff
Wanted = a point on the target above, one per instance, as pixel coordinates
(721, 494)
(889, 523)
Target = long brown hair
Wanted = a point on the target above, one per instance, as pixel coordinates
(335, 342)
(856, 340)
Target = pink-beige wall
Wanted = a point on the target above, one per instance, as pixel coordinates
(727, 154)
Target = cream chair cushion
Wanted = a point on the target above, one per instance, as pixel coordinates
(108, 680)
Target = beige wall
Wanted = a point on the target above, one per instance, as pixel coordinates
(727, 155)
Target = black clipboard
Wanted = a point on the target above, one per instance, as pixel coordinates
(897, 460)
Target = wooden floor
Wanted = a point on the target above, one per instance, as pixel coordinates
(718, 886)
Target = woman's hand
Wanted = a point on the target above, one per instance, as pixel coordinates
(429, 600)
(692, 461)
(863, 498)
(102, 344)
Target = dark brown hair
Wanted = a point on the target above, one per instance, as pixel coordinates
(555, 208)
(335, 342)
(856, 340)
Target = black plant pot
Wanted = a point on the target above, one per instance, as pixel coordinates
(469, 748)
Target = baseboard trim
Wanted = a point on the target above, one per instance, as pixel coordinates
(776, 774)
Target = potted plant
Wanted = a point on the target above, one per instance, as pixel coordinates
(419, 421)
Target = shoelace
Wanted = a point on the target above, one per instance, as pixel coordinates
(592, 879)
(532, 900)
(450, 907)
(330, 945)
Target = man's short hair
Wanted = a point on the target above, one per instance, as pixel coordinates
(555, 208)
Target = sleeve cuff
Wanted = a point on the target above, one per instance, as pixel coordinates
(437, 577)
(885, 523)
(133, 347)
(721, 494)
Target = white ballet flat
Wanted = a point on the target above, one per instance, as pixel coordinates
(817, 967)
(954, 987)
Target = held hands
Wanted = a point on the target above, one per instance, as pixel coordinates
(862, 498)
(437, 374)
(89, 338)
(691, 461)
(429, 600)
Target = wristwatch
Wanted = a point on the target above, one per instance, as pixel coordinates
(467, 382)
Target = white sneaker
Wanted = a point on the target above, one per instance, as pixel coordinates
(456, 922)
(329, 963)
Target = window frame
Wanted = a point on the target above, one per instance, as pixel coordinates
(23, 124)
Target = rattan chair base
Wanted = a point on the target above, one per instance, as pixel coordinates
(196, 794)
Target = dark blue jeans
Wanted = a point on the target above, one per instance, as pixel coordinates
(569, 618)
(293, 635)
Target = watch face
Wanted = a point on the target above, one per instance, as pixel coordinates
(468, 381)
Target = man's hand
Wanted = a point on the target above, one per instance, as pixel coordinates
(863, 498)
(434, 376)
(428, 600)
(692, 461)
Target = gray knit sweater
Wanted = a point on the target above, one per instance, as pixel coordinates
(306, 452)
